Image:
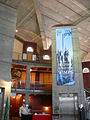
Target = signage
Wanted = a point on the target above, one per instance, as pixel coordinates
(64, 51)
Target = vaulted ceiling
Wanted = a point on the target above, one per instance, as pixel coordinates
(36, 17)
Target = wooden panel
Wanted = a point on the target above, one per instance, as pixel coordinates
(41, 78)
(86, 80)
(50, 78)
(86, 76)
(23, 77)
(38, 101)
(35, 101)
(15, 104)
(46, 78)
(41, 81)
(29, 57)
(32, 77)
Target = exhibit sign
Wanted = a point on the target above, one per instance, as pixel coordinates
(64, 51)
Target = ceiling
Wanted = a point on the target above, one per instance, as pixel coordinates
(36, 17)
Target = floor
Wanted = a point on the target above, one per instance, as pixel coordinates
(14, 118)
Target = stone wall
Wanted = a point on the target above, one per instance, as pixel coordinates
(17, 50)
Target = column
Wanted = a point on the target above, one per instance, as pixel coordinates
(27, 98)
(67, 80)
(28, 77)
(8, 18)
(27, 84)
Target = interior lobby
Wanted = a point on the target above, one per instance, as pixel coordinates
(29, 59)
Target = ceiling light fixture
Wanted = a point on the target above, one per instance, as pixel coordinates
(30, 70)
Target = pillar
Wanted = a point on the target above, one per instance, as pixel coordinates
(27, 98)
(64, 94)
(28, 77)
(8, 17)
(27, 84)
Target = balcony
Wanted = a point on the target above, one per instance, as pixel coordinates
(30, 57)
(18, 84)
(37, 85)
(40, 77)
(34, 85)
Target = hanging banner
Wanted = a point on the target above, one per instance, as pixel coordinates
(64, 51)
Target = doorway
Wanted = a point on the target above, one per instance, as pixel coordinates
(1, 101)
(68, 106)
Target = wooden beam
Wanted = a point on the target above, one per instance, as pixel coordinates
(19, 39)
(29, 14)
(40, 22)
(81, 19)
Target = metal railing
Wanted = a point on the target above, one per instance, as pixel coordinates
(34, 85)
(18, 84)
(38, 85)
(29, 57)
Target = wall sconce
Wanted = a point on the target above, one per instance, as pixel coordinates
(46, 57)
(85, 70)
(20, 95)
(30, 70)
(30, 50)
(46, 108)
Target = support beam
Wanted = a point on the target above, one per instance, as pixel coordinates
(83, 50)
(29, 14)
(19, 39)
(86, 57)
(68, 7)
(41, 24)
(81, 19)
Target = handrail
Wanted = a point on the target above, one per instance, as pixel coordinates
(41, 82)
(34, 85)
(29, 57)
(33, 81)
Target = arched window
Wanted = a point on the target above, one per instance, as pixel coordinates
(30, 49)
(46, 57)
(85, 70)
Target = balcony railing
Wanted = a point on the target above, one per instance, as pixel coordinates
(29, 57)
(37, 85)
(18, 84)
(34, 85)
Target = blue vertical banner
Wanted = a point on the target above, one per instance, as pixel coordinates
(64, 51)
